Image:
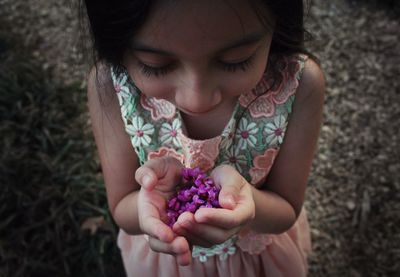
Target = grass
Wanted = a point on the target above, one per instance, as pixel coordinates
(50, 181)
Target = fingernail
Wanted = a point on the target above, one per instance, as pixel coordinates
(230, 200)
(146, 180)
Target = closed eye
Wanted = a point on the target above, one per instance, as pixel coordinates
(241, 65)
(156, 71)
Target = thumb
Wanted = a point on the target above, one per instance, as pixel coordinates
(158, 172)
(146, 177)
(230, 182)
(227, 197)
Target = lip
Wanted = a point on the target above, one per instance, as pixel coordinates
(196, 113)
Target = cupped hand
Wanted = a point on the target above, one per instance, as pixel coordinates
(210, 226)
(158, 179)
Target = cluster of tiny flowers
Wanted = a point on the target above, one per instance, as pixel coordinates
(197, 191)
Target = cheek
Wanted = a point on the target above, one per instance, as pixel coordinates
(245, 81)
(239, 85)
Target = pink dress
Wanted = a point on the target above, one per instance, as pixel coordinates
(249, 142)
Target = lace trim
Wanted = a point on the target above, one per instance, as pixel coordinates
(251, 242)
(223, 250)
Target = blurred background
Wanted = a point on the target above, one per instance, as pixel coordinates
(53, 212)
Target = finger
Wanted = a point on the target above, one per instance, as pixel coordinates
(184, 259)
(150, 217)
(193, 239)
(157, 229)
(158, 172)
(181, 228)
(206, 235)
(202, 234)
(227, 219)
(231, 183)
(178, 246)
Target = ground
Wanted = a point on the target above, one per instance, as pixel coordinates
(353, 198)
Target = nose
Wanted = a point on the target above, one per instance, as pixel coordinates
(197, 92)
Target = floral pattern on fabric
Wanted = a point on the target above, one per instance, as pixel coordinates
(120, 85)
(228, 134)
(169, 133)
(164, 151)
(249, 142)
(234, 158)
(290, 80)
(200, 153)
(266, 103)
(263, 106)
(222, 250)
(125, 98)
(275, 131)
(159, 108)
(262, 166)
(246, 134)
(140, 132)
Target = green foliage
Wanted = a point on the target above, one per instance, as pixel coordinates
(49, 178)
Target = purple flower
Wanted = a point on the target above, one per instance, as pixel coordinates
(196, 191)
(211, 194)
(196, 199)
(209, 182)
(190, 207)
(172, 202)
(202, 189)
(207, 205)
(215, 203)
(183, 197)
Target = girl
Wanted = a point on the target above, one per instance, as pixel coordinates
(223, 85)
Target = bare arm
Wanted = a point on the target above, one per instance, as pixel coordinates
(122, 173)
(279, 204)
(117, 156)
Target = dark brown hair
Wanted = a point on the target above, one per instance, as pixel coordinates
(112, 25)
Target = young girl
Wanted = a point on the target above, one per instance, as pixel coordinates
(224, 85)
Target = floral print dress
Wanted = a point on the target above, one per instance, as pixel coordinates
(249, 142)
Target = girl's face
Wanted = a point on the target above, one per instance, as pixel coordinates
(199, 55)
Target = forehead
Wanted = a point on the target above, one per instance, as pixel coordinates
(184, 26)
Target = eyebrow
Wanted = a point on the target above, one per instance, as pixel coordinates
(247, 40)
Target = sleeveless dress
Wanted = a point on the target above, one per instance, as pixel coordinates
(249, 142)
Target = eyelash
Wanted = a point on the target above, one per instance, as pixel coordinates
(243, 65)
(149, 71)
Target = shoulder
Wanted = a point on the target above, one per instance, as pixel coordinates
(311, 87)
(100, 89)
(103, 105)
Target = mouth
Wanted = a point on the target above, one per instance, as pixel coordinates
(188, 112)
